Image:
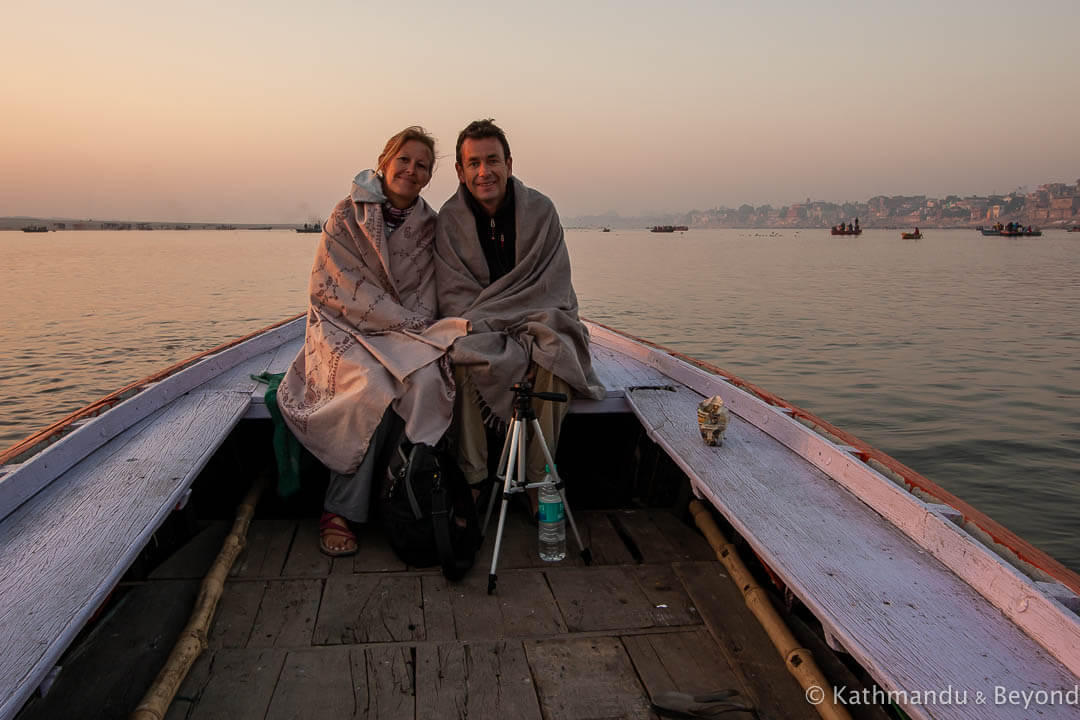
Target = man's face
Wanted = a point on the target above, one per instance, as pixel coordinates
(484, 169)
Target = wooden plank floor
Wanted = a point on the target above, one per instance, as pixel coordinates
(301, 635)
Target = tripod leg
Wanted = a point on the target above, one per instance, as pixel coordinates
(586, 555)
(500, 474)
(514, 435)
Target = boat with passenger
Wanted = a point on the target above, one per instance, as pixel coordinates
(1011, 230)
(847, 228)
(311, 227)
(668, 228)
(914, 235)
(884, 581)
(35, 228)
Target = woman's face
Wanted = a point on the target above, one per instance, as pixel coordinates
(407, 173)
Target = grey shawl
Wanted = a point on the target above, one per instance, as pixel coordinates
(531, 311)
(372, 340)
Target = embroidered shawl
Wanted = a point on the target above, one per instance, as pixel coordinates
(372, 340)
(531, 312)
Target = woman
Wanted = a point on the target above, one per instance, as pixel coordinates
(374, 356)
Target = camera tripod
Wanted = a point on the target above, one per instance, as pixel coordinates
(512, 467)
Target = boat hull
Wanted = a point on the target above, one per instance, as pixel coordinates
(838, 526)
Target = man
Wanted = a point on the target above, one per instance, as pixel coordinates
(501, 262)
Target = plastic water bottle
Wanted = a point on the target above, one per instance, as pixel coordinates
(552, 521)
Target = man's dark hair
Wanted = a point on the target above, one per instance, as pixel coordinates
(480, 129)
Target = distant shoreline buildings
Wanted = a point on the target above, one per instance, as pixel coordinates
(1049, 205)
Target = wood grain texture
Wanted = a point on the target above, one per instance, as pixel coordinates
(586, 678)
(286, 616)
(285, 354)
(235, 615)
(600, 536)
(673, 542)
(474, 680)
(305, 559)
(600, 598)
(438, 614)
(384, 678)
(686, 542)
(65, 548)
(617, 371)
(908, 619)
(521, 607)
(266, 549)
(625, 597)
(370, 608)
(240, 685)
(1016, 595)
(44, 467)
(314, 684)
(685, 661)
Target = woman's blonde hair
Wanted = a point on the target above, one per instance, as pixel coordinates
(394, 144)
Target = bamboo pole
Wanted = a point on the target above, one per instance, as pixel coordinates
(798, 660)
(192, 640)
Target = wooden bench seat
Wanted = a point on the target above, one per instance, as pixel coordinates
(63, 550)
(913, 623)
(615, 374)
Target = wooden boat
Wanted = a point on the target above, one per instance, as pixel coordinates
(312, 227)
(1011, 230)
(911, 236)
(35, 229)
(1074, 228)
(839, 231)
(668, 228)
(884, 577)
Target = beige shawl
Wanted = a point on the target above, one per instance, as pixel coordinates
(531, 312)
(372, 340)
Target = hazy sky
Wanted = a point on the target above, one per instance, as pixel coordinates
(263, 111)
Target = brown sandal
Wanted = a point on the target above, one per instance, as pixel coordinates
(330, 528)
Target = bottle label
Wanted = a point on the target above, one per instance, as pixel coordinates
(551, 512)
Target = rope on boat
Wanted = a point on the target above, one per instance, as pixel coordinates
(192, 640)
(799, 661)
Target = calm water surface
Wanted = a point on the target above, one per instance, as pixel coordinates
(957, 354)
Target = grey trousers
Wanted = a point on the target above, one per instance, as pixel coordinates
(350, 495)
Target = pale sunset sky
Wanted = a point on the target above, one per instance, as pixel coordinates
(243, 111)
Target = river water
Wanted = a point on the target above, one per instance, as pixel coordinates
(957, 354)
